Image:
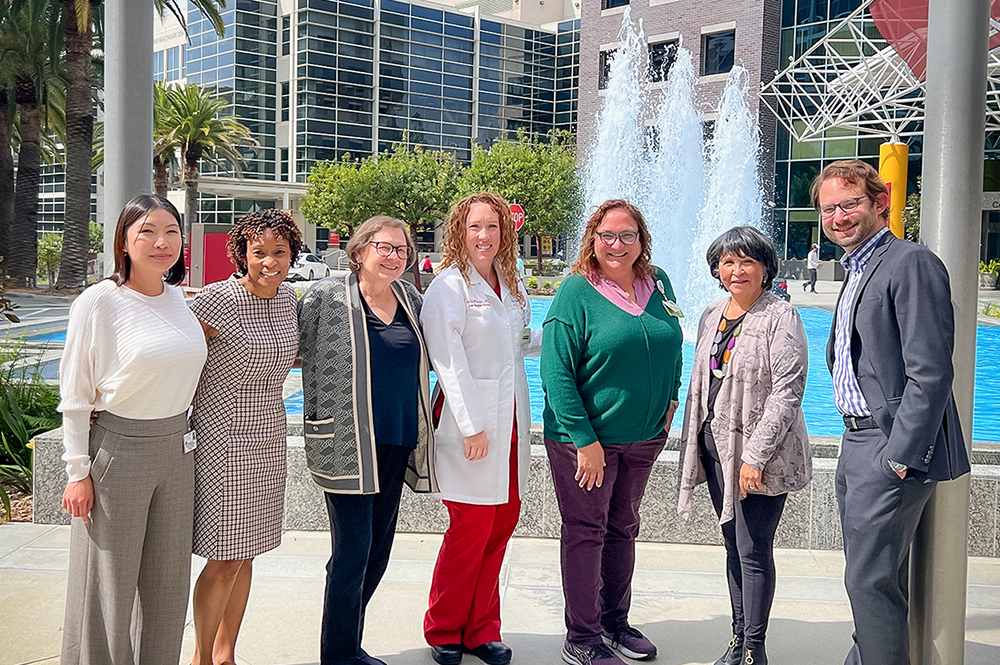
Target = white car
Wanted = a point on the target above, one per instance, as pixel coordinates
(308, 267)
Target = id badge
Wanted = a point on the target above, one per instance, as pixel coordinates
(190, 441)
(525, 336)
(673, 309)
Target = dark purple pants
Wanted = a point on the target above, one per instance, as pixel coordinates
(597, 545)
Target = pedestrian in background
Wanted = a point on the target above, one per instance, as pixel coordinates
(744, 430)
(812, 265)
(611, 370)
(133, 355)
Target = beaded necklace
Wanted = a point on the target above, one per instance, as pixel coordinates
(719, 370)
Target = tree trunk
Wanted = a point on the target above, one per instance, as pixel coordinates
(23, 240)
(161, 180)
(190, 198)
(416, 260)
(538, 252)
(6, 180)
(79, 148)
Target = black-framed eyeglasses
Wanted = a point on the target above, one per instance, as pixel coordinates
(387, 249)
(847, 205)
(627, 238)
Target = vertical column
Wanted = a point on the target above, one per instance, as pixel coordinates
(954, 130)
(128, 111)
(892, 163)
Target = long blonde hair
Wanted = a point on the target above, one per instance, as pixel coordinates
(455, 253)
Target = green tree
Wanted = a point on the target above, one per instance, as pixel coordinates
(539, 174)
(95, 239)
(193, 121)
(50, 248)
(911, 214)
(31, 69)
(410, 183)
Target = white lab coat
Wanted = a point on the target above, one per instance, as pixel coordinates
(474, 342)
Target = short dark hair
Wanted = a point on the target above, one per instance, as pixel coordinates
(138, 209)
(744, 241)
(251, 226)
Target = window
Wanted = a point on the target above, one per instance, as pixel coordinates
(661, 58)
(718, 52)
(604, 69)
(158, 65)
(173, 63)
(609, 4)
(286, 35)
(284, 101)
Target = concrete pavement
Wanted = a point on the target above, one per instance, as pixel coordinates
(680, 602)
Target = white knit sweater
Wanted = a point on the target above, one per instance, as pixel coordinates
(134, 355)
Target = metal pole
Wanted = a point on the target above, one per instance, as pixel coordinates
(128, 111)
(950, 224)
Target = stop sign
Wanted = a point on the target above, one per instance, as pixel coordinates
(517, 214)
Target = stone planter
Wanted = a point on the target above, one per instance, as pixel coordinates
(987, 280)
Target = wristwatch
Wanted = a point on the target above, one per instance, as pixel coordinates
(897, 467)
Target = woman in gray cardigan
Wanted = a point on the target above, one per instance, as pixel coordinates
(366, 418)
(744, 431)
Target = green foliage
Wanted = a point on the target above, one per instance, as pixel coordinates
(7, 307)
(911, 214)
(547, 285)
(27, 408)
(410, 183)
(96, 240)
(532, 282)
(550, 268)
(992, 308)
(50, 247)
(540, 175)
(993, 266)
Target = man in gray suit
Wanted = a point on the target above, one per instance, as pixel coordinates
(890, 355)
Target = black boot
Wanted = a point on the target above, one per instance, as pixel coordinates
(734, 654)
(753, 654)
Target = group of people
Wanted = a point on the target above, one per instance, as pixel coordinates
(148, 484)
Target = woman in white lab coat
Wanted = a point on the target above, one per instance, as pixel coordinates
(475, 319)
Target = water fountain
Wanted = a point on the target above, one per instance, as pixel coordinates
(653, 155)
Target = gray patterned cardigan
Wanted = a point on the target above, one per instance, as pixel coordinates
(758, 411)
(336, 402)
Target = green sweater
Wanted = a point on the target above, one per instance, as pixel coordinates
(608, 375)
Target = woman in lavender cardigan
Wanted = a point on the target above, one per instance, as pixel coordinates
(744, 431)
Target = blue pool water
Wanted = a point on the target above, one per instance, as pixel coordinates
(822, 418)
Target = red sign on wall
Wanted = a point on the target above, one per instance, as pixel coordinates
(517, 214)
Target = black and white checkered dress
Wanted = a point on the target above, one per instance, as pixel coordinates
(239, 417)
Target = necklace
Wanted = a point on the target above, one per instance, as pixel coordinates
(719, 369)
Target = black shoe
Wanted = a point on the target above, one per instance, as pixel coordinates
(364, 658)
(492, 653)
(447, 654)
(753, 654)
(734, 654)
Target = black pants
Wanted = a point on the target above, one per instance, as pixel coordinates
(749, 541)
(362, 527)
(813, 274)
(879, 513)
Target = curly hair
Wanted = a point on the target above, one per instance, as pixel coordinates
(251, 227)
(455, 253)
(586, 263)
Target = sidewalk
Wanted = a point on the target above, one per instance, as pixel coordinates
(680, 601)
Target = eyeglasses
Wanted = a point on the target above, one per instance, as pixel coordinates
(627, 238)
(847, 205)
(387, 249)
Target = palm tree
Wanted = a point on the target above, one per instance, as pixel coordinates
(6, 168)
(81, 17)
(193, 121)
(29, 58)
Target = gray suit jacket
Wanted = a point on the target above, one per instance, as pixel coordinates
(902, 337)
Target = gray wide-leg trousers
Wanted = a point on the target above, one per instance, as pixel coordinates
(130, 567)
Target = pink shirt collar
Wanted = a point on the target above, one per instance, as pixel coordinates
(643, 286)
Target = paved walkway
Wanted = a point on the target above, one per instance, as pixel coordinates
(679, 601)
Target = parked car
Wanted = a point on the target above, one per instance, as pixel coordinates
(780, 289)
(308, 267)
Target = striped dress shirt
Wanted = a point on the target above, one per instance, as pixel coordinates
(846, 391)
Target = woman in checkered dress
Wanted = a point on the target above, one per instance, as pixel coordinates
(239, 416)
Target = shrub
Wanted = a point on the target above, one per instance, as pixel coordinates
(991, 309)
(547, 285)
(532, 282)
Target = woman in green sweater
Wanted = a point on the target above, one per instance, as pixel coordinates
(611, 367)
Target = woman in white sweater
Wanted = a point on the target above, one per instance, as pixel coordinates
(133, 356)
